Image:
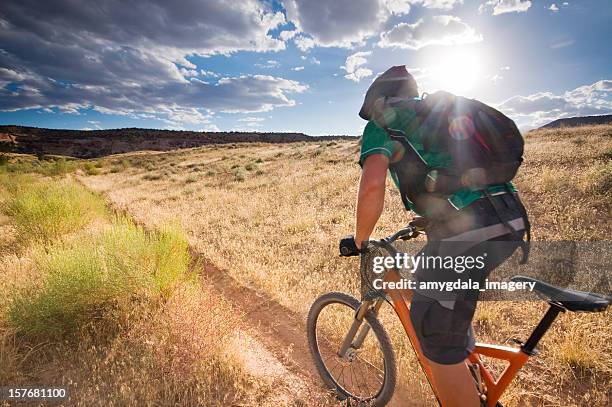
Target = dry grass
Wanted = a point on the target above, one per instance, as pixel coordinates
(276, 227)
(112, 312)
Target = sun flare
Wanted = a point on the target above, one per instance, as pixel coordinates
(457, 71)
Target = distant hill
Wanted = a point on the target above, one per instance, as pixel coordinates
(579, 121)
(98, 143)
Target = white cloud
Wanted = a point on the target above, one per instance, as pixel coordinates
(553, 7)
(340, 23)
(562, 44)
(297, 68)
(353, 66)
(210, 127)
(495, 78)
(287, 35)
(304, 43)
(505, 6)
(398, 6)
(189, 73)
(543, 107)
(439, 4)
(315, 61)
(252, 119)
(436, 30)
(204, 72)
(270, 63)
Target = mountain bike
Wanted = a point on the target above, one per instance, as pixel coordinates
(353, 353)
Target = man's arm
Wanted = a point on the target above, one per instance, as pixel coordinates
(371, 196)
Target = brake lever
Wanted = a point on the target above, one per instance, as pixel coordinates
(411, 235)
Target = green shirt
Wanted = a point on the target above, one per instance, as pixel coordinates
(375, 140)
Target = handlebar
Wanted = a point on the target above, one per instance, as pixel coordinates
(414, 229)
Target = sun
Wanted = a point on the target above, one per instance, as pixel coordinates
(456, 71)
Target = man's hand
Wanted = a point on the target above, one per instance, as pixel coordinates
(348, 247)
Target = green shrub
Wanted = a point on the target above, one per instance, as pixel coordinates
(152, 177)
(56, 167)
(84, 281)
(190, 180)
(250, 166)
(90, 168)
(239, 174)
(46, 210)
(3, 159)
(598, 179)
(606, 155)
(119, 166)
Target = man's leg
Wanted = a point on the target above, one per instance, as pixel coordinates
(446, 339)
(455, 385)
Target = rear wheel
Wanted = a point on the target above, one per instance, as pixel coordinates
(365, 374)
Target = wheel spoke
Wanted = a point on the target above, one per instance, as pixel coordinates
(356, 375)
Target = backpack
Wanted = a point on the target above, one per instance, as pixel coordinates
(485, 147)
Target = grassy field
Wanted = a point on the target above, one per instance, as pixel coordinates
(271, 216)
(91, 302)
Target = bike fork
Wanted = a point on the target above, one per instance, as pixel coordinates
(358, 321)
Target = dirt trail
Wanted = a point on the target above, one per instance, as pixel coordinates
(281, 331)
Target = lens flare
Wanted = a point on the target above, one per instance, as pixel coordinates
(457, 71)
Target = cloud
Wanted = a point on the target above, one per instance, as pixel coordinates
(505, 6)
(436, 30)
(340, 23)
(270, 63)
(562, 44)
(553, 7)
(304, 43)
(543, 107)
(133, 60)
(297, 68)
(495, 78)
(252, 119)
(210, 127)
(287, 35)
(187, 101)
(353, 66)
(439, 4)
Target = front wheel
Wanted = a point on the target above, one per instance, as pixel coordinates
(367, 372)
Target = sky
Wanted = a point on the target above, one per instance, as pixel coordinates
(293, 65)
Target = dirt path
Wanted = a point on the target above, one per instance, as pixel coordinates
(282, 332)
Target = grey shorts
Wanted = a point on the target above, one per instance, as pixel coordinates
(446, 336)
(443, 321)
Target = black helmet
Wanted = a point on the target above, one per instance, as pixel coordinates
(394, 82)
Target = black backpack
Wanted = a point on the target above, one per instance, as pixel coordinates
(485, 147)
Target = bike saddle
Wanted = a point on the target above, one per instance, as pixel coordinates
(572, 300)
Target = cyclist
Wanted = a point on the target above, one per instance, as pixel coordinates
(470, 218)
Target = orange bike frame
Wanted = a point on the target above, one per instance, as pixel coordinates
(493, 387)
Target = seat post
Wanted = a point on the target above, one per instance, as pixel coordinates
(529, 346)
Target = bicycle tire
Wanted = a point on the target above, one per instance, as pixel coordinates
(390, 366)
